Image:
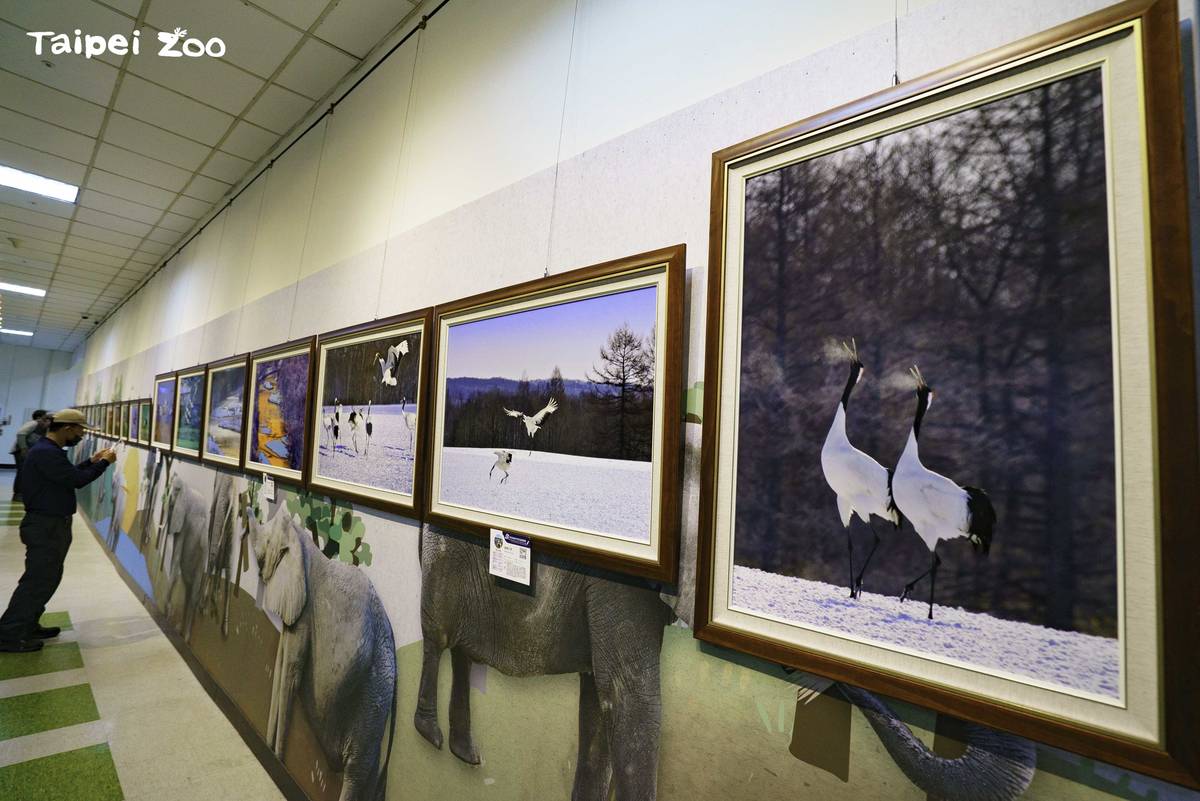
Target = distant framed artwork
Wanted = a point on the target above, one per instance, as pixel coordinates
(163, 428)
(110, 420)
(189, 412)
(367, 422)
(132, 421)
(225, 411)
(145, 420)
(123, 421)
(276, 431)
(1009, 236)
(557, 413)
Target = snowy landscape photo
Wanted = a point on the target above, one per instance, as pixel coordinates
(278, 405)
(226, 411)
(367, 432)
(189, 412)
(164, 411)
(926, 450)
(548, 414)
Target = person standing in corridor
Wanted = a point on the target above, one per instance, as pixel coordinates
(48, 484)
(27, 434)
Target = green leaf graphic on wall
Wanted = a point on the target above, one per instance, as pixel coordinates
(336, 530)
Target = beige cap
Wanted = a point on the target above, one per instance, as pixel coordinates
(71, 417)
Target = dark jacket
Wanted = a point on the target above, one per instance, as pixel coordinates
(49, 480)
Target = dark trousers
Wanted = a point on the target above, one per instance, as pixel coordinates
(47, 539)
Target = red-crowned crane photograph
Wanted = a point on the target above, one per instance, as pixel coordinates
(926, 450)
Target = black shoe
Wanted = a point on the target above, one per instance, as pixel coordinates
(20, 646)
(45, 632)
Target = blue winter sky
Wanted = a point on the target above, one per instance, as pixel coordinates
(568, 335)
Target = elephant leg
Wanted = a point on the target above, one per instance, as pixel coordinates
(426, 717)
(462, 745)
(294, 647)
(273, 712)
(593, 771)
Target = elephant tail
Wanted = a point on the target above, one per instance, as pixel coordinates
(995, 766)
(381, 783)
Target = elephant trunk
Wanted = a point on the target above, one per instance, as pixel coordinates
(995, 766)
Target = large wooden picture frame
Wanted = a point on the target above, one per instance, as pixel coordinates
(528, 377)
(367, 412)
(773, 582)
(219, 437)
(162, 421)
(189, 406)
(274, 441)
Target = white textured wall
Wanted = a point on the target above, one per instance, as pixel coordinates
(33, 378)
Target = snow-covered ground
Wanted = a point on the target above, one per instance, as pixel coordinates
(1068, 659)
(225, 428)
(607, 496)
(387, 463)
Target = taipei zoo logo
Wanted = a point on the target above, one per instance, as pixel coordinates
(172, 44)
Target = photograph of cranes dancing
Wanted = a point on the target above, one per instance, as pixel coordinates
(367, 434)
(926, 439)
(278, 404)
(226, 411)
(549, 417)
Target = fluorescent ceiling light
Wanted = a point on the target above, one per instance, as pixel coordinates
(15, 332)
(24, 290)
(19, 179)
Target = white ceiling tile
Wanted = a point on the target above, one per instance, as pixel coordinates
(92, 199)
(191, 207)
(141, 168)
(26, 215)
(32, 237)
(64, 18)
(155, 250)
(168, 109)
(278, 109)
(92, 80)
(56, 167)
(206, 188)
(301, 13)
(49, 138)
(249, 141)
(162, 236)
(100, 253)
(253, 40)
(36, 202)
(15, 260)
(84, 272)
(116, 223)
(209, 80)
(104, 240)
(226, 167)
(41, 101)
(130, 7)
(359, 25)
(154, 142)
(316, 69)
(176, 222)
(120, 186)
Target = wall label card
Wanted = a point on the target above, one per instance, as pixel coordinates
(268, 488)
(510, 556)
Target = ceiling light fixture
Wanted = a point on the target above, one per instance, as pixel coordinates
(15, 332)
(19, 179)
(23, 290)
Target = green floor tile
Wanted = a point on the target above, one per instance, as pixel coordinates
(88, 774)
(60, 619)
(64, 656)
(51, 709)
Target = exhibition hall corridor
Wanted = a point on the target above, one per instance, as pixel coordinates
(108, 710)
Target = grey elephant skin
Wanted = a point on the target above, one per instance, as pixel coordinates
(608, 632)
(187, 531)
(336, 655)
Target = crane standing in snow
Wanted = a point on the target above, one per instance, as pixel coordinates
(533, 423)
(938, 508)
(863, 486)
(369, 426)
(503, 460)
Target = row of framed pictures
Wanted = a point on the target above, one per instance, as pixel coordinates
(1011, 230)
(547, 409)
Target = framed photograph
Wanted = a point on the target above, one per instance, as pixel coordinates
(132, 420)
(110, 420)
(1007, 236)
(145, 420)
(276, 429)
(367, 442)
(123, 420)
(189, 412)
(164, 411)
(556, 413)
(225, 411)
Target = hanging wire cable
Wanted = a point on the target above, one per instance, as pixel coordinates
(562, 120)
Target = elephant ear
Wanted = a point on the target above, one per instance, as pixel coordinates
(175, 515)
(287, 590)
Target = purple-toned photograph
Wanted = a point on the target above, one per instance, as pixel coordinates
(164, 411)
(279, 404)
(549, 414)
